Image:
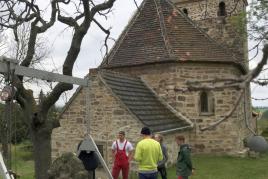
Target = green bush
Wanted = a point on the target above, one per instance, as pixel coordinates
(264, 115)
(265, 133)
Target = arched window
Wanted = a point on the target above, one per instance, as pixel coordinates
(185, 11)
(222, 9)
(206, 102)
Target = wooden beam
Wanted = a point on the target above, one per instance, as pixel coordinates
(7, 63)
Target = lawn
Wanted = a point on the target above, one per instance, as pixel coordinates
(207, 166)
(226, 167)
(22, 160)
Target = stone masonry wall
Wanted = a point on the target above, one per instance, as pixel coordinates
(224, 30)
(205, 9)
(73, 128)
(167, 79)
(107, 117)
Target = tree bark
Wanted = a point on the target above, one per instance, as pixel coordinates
(41, 139)
(4, 142)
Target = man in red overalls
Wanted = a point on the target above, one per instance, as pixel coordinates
(122, 153)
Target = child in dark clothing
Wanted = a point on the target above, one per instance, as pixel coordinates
(184, 166)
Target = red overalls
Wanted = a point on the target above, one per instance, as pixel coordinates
(120, 162)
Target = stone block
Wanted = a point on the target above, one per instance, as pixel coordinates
(181, 98)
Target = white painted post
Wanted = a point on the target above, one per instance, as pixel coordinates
(3, 169)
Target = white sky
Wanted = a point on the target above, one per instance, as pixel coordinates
(90, 55)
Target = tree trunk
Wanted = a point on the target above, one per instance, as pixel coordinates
(4, 142)
(5, 135)
(42, 151)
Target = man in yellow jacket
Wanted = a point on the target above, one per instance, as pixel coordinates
(148, 153)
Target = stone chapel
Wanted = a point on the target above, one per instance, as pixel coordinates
(140, 83)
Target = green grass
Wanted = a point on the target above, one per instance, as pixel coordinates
(226, 167)
(22, 160)
(207, 166)
(263, 128)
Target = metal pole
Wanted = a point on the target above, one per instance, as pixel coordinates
(87, 118)
(91, 141)
(3, 170)
(8, 133)
(101, 159)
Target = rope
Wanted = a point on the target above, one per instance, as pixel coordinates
(87, 118)
(8, 120)
(14, 111)
(9, 134)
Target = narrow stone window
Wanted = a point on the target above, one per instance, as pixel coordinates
(101, 149)
(222, 9)
(185, 11)
(206, 103)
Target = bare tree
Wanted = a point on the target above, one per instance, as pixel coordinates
(15, 13)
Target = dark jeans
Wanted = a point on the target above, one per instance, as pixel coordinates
(91, 174)
(148, 175)
(163, 172)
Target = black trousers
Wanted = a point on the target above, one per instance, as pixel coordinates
(163, 172)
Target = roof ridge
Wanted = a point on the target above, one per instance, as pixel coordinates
(123, 34)
(195, 25)
(163, 28)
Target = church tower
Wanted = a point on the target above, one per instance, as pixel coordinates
(218, 18)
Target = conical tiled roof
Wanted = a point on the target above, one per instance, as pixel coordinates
(159, 32)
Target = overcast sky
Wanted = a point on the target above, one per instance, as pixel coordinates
(58, 39)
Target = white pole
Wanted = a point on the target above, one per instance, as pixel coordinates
(3, 168)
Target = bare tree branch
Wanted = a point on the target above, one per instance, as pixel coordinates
(239, 82)
(107, 32)
(229, 114)
(103, 6)
(259, 99)
(74, 50)
(136, 5)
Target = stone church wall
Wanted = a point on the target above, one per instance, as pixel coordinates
(223, 29)
(167, 80)
(205, 9)
(107, 117)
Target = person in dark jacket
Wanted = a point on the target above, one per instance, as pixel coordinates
(184, 166)
(161, 165)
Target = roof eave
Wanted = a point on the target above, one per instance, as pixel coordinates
(240, 66)
(176, 129)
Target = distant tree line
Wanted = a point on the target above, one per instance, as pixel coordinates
(19, 129)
